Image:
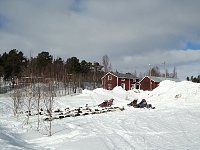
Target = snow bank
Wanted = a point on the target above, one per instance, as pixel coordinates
(167, 92)
(119, 90)
(170, 91)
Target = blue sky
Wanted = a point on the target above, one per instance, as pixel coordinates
(133, 33)
(193, 46)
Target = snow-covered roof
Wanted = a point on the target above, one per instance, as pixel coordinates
(122, 75)
(126, 75)
(160, 79)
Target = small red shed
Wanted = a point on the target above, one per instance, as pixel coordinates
(127, 81)
(149, 83)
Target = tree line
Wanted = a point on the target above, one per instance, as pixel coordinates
(15, 65)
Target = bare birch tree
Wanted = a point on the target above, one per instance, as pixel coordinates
(49, 101)
(38, 105)
(16, 96)
(105, 62)
(29, 101)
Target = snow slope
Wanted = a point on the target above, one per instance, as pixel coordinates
(174, 124)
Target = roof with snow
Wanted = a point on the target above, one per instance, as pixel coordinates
(126, 75)
(160, 79)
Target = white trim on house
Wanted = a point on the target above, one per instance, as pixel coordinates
(107, 74)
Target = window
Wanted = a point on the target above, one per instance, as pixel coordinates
(137, 86)
(109, 77)
(122, 79)
(132, 86)
(137, 80)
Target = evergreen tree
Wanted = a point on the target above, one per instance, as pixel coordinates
(85, 67)
(43, 61)
(73, 65)
(13, 63)
(1, 67)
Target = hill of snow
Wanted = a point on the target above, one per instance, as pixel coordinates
(174, 124)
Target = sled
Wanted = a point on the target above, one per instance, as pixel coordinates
(133, 103)
(142, 104)
(106, 103)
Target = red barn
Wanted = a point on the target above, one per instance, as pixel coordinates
(127, 81)
(149, 83)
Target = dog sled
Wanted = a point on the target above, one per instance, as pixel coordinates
(106, 103)
(142, 104)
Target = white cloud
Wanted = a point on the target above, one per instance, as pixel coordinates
(131, 32)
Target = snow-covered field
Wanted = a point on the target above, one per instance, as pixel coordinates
(174, 124)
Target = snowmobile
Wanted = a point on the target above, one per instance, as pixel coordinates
(142, 104)
(106, 103)
(133, 103)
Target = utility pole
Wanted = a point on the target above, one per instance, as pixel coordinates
(150, 77)
(165, 69)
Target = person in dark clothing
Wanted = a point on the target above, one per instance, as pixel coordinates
(142, 104)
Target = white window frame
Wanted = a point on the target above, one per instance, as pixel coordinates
(133, 86)
(109, 77)
(123, 79)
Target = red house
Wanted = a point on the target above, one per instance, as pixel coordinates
(127, 81)
(149, 83)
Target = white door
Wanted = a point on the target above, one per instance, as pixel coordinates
(123, 85)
